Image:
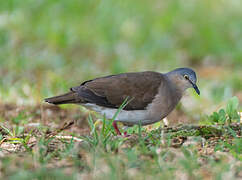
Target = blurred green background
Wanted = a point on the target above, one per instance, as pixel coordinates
(47, 46)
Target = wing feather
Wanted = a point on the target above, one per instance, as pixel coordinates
(111, 91)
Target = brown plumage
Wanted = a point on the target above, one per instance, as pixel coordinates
(111, 91)
(152, 95)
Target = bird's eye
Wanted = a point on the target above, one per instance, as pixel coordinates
(186, 77)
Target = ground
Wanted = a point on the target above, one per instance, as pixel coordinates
(48, 46)
(60, 142)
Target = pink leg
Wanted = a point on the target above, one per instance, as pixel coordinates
(116, 128)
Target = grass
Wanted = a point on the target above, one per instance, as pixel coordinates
(46, 47)
(41, 152)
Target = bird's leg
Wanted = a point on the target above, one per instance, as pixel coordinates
(116, 128)
(165, 121)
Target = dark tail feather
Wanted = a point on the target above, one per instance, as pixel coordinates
(68, 98)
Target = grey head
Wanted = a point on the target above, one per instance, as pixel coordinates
(185, 78)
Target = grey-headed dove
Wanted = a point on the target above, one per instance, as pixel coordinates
(151, 95)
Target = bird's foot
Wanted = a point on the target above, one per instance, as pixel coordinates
(126, 134)
(118, 131)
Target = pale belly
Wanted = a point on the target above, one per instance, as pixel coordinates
(127, 117)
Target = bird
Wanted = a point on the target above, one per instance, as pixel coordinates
(151, 95)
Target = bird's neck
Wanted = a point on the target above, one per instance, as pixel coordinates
(175, 83)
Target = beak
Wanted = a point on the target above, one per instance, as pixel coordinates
(195, 87)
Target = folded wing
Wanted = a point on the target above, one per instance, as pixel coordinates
(111, 91)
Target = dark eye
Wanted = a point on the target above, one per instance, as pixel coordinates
(186, 77)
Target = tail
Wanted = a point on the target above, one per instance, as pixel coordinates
(68, 98)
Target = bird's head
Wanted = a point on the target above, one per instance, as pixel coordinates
(184, 78)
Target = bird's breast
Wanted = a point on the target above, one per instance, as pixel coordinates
(162, 105)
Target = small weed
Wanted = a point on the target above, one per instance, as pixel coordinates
(225, 116)
(234, 147)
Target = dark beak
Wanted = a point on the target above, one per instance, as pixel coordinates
(195, 87)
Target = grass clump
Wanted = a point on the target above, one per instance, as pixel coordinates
(225, 116)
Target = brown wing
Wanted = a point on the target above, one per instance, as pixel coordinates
(111, 91)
